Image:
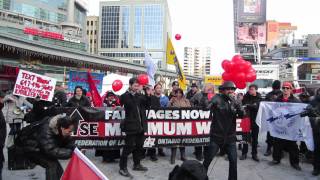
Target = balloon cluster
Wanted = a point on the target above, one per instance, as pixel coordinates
(239, 71)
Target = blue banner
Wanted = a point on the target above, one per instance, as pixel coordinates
(81, 79)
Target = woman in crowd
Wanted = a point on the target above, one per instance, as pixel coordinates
(79, 98)
(179, 101)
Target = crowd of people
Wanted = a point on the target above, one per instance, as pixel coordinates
(48, 138)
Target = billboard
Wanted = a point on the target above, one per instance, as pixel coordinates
(253, 11)
(251, 33)
(314, 45)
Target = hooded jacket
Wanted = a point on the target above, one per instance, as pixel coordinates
(45, 138)
(12, 104)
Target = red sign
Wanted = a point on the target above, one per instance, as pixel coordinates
(42, 33)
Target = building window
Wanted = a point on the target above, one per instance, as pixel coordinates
(153, 26)
(91, 23)
(91, 32)
(95, 32)
(110, 26)
(87, 23)
(125, 27)
(87, 32)
(137, 41)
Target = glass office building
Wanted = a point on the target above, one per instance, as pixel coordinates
(128, 27)
(53, 11)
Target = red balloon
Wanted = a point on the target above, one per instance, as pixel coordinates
(241, 66)
(250, 77)
(241, 77)
(248, 65)
(237, 58)
(225, 63)
(117, 85)
(230, 67)
(240, 85)
(143, 79)
(226, 76)
(178, 37)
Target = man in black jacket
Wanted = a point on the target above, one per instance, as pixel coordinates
(225, 110)
(281, 144)
(47, 142)
(272, 96)
(134, 125)
(251, 101)
(79, 98)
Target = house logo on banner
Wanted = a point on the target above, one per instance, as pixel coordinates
(34, 85)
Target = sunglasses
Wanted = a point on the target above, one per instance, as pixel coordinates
(286, 88)
(229, 89)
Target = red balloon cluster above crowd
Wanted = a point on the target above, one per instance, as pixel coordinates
(239, 71)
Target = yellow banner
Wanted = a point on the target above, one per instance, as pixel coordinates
(173, 59)
(171, 54)
(215, 80)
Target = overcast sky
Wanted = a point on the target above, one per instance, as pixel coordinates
(204, 23)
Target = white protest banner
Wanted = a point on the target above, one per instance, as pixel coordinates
(283, 121)
(30, 84)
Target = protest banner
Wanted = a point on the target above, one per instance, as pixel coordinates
(167, 127)
(81, 79)
(31, 85)
(283, 121)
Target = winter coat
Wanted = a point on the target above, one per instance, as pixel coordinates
(252, 105)
(291, 99)
(12, 104)
(83, 101)
(190, 94)
(190, 169)
(273, 95)
(154, 102)
(164, 101)
(200, 100)
(135, 112)
(225, 110)
(183, 102)
(60, 98)
(47, 139)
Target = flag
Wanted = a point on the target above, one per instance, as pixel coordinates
(171, 55)
(151, 67)
(81, 168)
(283, 121)
(96, 98)
(173, 60)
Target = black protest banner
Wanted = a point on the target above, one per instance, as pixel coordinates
(100, 128)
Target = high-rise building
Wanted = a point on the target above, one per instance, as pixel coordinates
(92, 34)
(188, 62)
(197, 61)
(129, 27)
(65, 18)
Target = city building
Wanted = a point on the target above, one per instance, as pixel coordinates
(188, 62)
(59, 22)
(129, 27)
(250, 29)
(92, 34)
(197, 61)
(279, 34)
